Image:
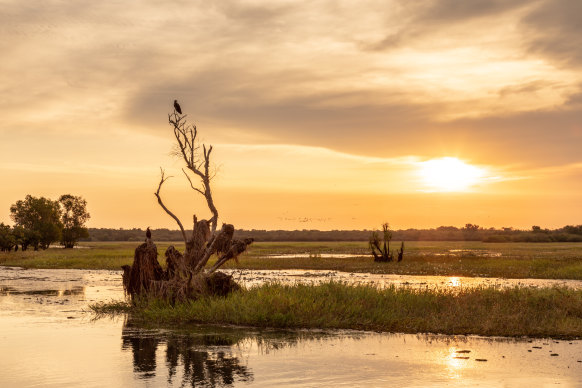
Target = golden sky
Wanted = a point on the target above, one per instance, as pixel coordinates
(322, 114)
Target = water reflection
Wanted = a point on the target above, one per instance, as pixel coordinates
(195, 359)
(215, 356)
(454, 281)
(204, 356)
(252, 278)
(317, 256)
(57, 343)
(7, 290)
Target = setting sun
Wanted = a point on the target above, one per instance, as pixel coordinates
(450, 174)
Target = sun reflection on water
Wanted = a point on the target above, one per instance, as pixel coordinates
(456, 362)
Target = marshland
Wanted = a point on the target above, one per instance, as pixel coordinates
(297, 303)
(510, 289)
(443, 258)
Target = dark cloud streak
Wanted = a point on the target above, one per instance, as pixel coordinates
(555, 29)
(235, 99)
(428, 16)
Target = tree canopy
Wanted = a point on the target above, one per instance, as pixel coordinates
(40, 219)
(7, 239)
(39, 222)
(73, 217)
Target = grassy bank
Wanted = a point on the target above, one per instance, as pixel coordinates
(550, 312)
(508, 260)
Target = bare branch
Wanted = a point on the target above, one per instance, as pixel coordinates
(210, 248)
(236, 247)
(197, 162)
(157, 194)
(191, 184)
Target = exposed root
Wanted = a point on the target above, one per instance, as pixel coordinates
(179, 282)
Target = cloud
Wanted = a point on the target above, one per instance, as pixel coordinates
(526, 88)
(537, 138)
(555, 31)
(258, 108)
(454, 11)
(236, 105)
(290, 73)
(430, 17)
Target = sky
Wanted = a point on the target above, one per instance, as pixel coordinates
(322, 114)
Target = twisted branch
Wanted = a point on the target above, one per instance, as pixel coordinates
(199, 164)
(157, 194)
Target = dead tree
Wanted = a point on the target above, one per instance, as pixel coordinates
(381, 252)
(185, 275)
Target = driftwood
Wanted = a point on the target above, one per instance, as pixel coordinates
(185, 276)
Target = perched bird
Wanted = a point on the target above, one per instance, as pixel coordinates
(177, 107)
(148, 233)
(401, 252)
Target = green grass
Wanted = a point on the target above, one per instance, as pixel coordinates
(113, 308)
(549, 312)
(100, 255)
(477, 259)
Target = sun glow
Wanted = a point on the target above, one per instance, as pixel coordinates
(450, 174)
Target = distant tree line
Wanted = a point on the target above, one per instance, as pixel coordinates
(39, 222)
(470, 232)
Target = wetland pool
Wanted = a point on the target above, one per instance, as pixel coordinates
(49, 338)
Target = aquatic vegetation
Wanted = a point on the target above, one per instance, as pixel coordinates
(555, 312)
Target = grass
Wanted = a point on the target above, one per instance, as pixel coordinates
(112, 308)
(548, 312)
(100, 255)
(477, 259)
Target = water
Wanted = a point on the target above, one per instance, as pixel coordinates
(449, 253)
(257, 277)
(49, 338)
(315, 255)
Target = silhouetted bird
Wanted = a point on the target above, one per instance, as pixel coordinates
(177, 107)
(148, 233)
(401, 252)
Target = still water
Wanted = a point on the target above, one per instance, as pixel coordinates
(48, 338)
(256, 277)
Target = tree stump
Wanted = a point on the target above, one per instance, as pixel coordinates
(179, 282)
(137, 279)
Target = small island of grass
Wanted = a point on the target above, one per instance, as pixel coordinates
(488, 311)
